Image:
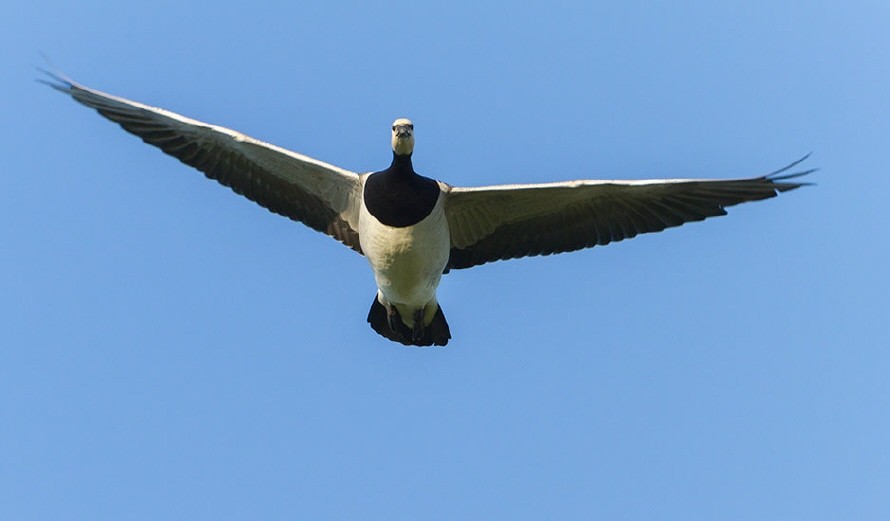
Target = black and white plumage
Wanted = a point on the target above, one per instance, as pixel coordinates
(412, 229)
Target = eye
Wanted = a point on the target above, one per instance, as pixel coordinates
(411, 126)
(394, 128)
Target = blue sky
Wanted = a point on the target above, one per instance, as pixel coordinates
(168, 350)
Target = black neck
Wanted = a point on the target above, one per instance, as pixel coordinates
(399, 196)
(402, 163)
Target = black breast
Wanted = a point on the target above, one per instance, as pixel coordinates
(399, 197)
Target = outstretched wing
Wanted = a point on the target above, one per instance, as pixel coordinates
(510, 221)
(324, 197)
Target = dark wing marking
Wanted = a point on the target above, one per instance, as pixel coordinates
(324, 197)
(510, 221)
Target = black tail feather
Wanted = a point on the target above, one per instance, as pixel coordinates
(436, 333)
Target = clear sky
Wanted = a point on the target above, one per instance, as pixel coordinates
(169, 350)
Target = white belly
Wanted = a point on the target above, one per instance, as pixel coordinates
(407, 262)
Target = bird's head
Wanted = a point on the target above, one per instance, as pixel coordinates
(403, 137)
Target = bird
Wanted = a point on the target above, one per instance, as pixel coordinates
(413, 229)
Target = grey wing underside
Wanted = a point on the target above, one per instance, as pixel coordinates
(510, 221)
(324, 197)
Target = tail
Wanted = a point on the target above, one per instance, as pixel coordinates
(435, 333)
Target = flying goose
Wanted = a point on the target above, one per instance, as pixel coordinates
(411, 228)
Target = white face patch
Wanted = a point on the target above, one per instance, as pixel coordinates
(403, 136)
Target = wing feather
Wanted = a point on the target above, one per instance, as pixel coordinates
(322, 196)
(510, 221)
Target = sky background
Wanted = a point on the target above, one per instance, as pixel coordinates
(169, 350)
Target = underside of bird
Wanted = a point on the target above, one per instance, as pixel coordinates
(388, 323)
(412, 228)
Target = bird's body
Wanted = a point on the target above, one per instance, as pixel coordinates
(412, 229)
(406, 240)
(407, 261)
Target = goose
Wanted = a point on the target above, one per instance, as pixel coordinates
(412, 229)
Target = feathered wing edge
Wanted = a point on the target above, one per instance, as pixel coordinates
(511, 221)
(324, 197)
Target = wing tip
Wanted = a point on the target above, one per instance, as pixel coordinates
(55, 78)
(780, 179)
